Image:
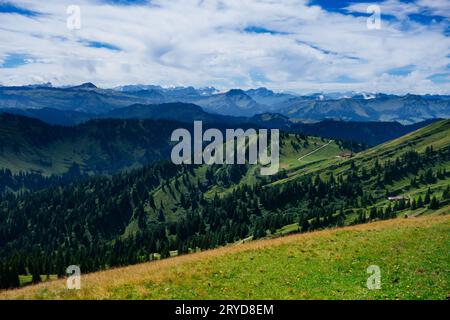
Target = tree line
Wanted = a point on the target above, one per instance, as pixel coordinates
(104, 222)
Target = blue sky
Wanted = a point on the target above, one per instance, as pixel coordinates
(11, 8)
(15, 60)
(287, 45)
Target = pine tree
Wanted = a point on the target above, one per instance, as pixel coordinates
(36, 277)
(15, 282)
(373, 213)
(362, 216)
(161, 216)
(305, 225)
(3, 284)
(434, 204)
(446, 193)
(388, 212)
(260, 231)
(413, 183)
(151, 202)
(419, 202)
(427, 197)
(413, 204)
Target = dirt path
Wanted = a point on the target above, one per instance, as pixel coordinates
(312, 152)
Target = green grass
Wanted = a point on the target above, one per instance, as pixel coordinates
(26, 279)
(435, 135)
(289, 156)
(332, 264)
(324, 162)
(288, 229)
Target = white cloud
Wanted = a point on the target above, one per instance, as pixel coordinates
(435, 7)
(202, 43)
(395, 8)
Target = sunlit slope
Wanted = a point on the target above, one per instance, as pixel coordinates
(436, 135)
(96, 147)
(313, 151)
(330, 264)
(108, 146)
(301, 156)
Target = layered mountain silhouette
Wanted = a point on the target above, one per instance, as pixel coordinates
(88, 98)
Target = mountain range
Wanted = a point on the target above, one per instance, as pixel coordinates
(87, 98)
(369, 133)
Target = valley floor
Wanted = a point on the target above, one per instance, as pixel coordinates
(412, 255)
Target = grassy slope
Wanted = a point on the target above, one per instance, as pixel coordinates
(35, 146)
(325, 161)
(170, 197)
(100, 147)
(329, 264)
(288, 161)
(436, 135)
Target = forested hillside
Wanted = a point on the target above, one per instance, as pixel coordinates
(165, 209)
(35, 155)
(95, 147)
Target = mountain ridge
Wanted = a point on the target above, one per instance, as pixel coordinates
(407, 109)
(373, 132)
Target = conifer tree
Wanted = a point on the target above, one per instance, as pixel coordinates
(305, 225)
(373, 213)
(35, 277)
(419, 202)
(413, 204)
(161, 216)
(446, 193)
(427, 197)
(434, 204)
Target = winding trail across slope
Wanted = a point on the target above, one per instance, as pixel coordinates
(314, 151)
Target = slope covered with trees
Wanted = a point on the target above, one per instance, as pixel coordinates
(166, 209)
(96, 147)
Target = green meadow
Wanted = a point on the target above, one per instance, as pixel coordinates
(412, 255)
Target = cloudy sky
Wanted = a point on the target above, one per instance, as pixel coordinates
(286, 45)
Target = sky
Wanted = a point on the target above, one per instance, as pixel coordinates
(300, 46)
